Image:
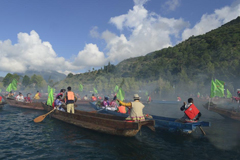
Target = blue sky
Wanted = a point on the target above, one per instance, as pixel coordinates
(76, 35)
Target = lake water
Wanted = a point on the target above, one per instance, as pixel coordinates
(21, 138)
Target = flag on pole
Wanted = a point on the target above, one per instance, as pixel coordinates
(50, 96)
(95, 90)
(219, 88)
(213, 89)
(229, 95)
(116, 89)
(120, 94)
(80, 87)
(14, 84)
(9, 88)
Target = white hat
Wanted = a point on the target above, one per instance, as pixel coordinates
(136, 96)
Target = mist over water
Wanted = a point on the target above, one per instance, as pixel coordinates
(21, 138)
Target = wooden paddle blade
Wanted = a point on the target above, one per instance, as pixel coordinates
(39, 118)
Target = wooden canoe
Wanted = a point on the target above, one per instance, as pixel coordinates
(165, 123)
(226, 113)
(33, 105)
(83, 102)
(110, 124)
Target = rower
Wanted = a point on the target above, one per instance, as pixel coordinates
(93, 98)
(11, 94)
(85, 97)
(58, 103)
(37, 95)
(105, 102)
(191, 112)
(70, 99)
(136, 109)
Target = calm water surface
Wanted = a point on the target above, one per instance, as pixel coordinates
(21, 138)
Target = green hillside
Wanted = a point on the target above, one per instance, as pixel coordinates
(190, 65)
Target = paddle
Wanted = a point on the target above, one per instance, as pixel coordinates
(202, 130)
(42, 117)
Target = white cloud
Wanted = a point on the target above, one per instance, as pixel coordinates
(171, 5)
(90, 56)
(94, 33)
(209, 22)
(149, 32)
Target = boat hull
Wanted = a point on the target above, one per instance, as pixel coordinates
(166, 123)
(110, 124)
(33, 105)
(226, 113)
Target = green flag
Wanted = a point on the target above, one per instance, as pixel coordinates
(213, 89)
(120, 94)
(219, 88)
(80, 87)
(116, 89)
(50, 96)
(146, 93)
(229, 95)
(95, 90)
(9, 88)
(14, 84)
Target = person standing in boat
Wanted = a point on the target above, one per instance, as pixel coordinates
(70, 98)
(191, 113)
(136, 109)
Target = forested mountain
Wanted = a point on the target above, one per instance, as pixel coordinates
(190, 65)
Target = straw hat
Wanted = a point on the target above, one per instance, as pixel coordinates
(136, 96)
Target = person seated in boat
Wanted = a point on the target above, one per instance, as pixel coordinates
(238, 93)
(70, 98)
(20, 97)
(78, 97)
(0, 99)
(99, 97)
(58, 103)
(113, 103)
(179, 99)
(28, 98)
(93, 98)
(149, 99)
(85, 97)
(191, 113)
(37, 96)
(61, 93)
(136, 109)
(105, 102)
(10, 94)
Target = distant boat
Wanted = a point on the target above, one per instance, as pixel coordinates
(226, 113)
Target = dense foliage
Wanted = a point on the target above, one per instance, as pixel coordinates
(189, 65)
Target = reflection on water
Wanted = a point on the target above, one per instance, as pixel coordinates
(21, 138)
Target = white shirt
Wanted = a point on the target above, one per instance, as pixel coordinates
(20, 98)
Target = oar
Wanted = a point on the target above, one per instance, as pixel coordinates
(42, 117)
(202, 130)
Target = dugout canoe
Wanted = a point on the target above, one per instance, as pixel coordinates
(230, 113)
(105, 123)
(33, 105)
(166, 123)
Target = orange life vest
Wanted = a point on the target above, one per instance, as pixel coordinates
(192, 111)
(94, 98)
(122, 109)
(70, 95)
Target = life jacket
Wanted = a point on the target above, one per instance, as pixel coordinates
(70, 96)
(122, 109)
(94, 98)
(191, 111)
